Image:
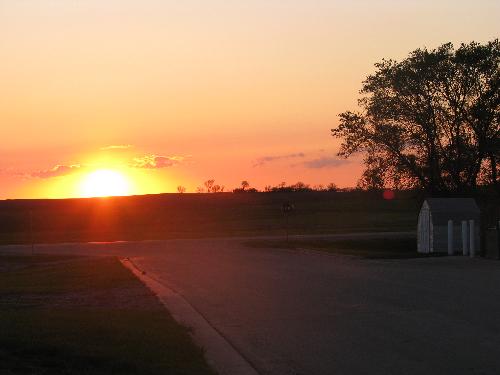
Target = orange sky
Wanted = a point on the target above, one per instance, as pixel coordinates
(198, 89)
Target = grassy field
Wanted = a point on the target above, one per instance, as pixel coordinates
(392, 248)
(202, 215)
(77, 315)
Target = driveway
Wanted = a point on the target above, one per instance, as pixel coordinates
(307, 313)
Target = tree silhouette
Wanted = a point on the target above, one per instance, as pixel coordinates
(429, 121)
(208, 185)
(332, 187)
(244, 185)
(181, 189)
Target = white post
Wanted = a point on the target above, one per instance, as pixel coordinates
(472, 238)
(450, 237)
(464, 237)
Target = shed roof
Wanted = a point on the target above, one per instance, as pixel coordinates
(444, 209)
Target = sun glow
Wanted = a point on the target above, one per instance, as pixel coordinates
(104, 183)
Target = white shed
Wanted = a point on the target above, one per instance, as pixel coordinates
(432, 231)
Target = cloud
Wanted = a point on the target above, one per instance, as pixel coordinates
(117, 147)
(58, 170)
(325, 162)
(156, 161)
(266, 159)
(9, 171)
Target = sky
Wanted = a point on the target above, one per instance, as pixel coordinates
(166, 93)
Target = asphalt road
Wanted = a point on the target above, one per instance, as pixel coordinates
(307, 313)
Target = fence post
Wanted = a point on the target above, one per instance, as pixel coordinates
(472, 239)
(450, 237)
(465, 250)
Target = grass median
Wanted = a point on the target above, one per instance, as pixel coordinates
(82, 315)
(374, 248)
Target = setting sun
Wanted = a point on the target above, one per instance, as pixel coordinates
(103, 183)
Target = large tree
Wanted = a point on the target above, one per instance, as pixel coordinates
(429, 121)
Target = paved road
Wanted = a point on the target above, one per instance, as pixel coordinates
(312, 314)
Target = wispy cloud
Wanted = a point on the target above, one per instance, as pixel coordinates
(156, 161)
(58, 170)
(116, 147)
(10, 172)
(267, 159)
(325, 162)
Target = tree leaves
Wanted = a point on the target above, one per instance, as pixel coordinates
(430, 120)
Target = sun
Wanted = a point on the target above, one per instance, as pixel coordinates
(104, 183)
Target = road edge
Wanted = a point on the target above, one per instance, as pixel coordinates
(219, 353)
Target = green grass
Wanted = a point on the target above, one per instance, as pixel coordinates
(395, 248)
(77, 315)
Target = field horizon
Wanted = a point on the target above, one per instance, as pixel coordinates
(198, 215)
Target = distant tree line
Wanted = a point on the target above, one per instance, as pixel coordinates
(284, 187)
(210, 186)
(300, 186)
